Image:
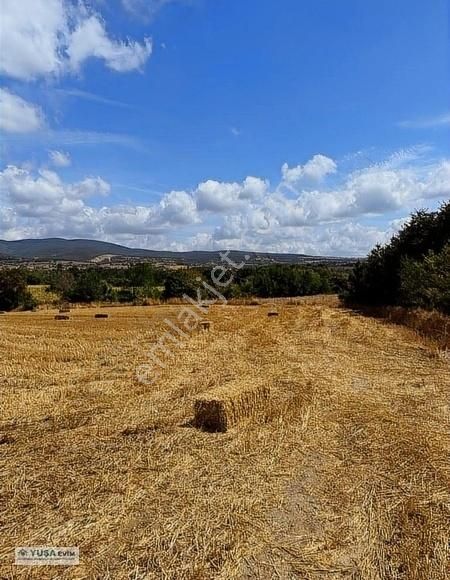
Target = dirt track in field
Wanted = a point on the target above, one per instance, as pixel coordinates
(350, 481)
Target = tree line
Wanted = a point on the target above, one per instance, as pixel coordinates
(144, 282)
(412, 270)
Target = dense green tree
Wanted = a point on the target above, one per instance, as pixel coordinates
(178, 283)
(144, 275)
(410, 269)
(14, 292)
(426, 283)
(62, 280)
(89, 286)
(37, 277)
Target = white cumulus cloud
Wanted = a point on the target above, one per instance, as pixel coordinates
(178, 207)
(316, 169)
(40, 38)
(45, 194)
(90, 40)
(217, 196)
(18, 115)
(437, 182)
(221, 196)
(251, 215)
(376, 190)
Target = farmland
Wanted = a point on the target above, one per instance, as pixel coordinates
(348, 479)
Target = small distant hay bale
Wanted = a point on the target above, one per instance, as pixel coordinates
(272, 313)
(102, 315)
(64, 310)
(2, 312)
(223, 407)
(62, 317)
(255, 302)
(205, 324)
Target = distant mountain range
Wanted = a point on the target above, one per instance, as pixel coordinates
(80, 250)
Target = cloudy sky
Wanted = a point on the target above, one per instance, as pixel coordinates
(313, 127)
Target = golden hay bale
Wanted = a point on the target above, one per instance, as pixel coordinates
(255, 302)
(64, 310)
(223, 407)
(289, 397)
(2, 312)
(62, 317)
(205, 324)
(272, 313)
(101, 316)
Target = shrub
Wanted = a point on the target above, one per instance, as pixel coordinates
(14, 292)
(124, 295)
(426, 284)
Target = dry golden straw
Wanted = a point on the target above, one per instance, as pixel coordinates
(342, 474)
(224, 407)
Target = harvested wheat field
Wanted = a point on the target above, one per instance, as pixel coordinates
(346, 474)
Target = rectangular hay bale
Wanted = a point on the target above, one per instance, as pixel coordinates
(224, 407)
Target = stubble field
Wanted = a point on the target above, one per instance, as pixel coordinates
(346, 475)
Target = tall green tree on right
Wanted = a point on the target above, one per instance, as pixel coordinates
(413, 269)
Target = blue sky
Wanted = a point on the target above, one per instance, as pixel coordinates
(312, 126)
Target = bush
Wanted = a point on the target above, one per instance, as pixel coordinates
(124, 295)
(14, 292)
(426, 284)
